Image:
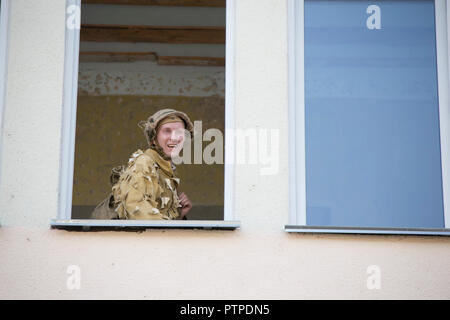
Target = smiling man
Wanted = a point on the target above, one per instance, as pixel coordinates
(147, 187)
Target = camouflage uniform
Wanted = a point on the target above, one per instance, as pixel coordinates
(147, 187)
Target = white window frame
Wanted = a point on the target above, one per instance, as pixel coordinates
(4, 27)
(297, 163)
(71, 61)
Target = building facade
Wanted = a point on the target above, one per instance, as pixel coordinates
(257, 259)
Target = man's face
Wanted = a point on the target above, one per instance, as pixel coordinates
(170, 137)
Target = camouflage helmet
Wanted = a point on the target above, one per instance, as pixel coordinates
(149, 127)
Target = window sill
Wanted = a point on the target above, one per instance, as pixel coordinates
(130, 225)
(381, 231)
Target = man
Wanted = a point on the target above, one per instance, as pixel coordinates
(147, 187)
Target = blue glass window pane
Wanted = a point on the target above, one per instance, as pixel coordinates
(371, 117)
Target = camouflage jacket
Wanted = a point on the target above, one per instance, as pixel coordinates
(146, 189)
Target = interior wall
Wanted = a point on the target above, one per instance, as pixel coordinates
(149, 78)
(152, 15)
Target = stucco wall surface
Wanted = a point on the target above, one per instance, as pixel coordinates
(259, 260)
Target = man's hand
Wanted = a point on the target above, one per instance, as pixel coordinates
(186, 204)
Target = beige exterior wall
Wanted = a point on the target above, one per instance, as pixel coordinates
(259, 260)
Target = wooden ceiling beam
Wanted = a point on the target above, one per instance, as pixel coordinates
(191, 61)
(161, 34)
(184, 3)
(96, 56)
(100, 56)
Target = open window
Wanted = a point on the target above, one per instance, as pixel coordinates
(369, 117)
(126, 60)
